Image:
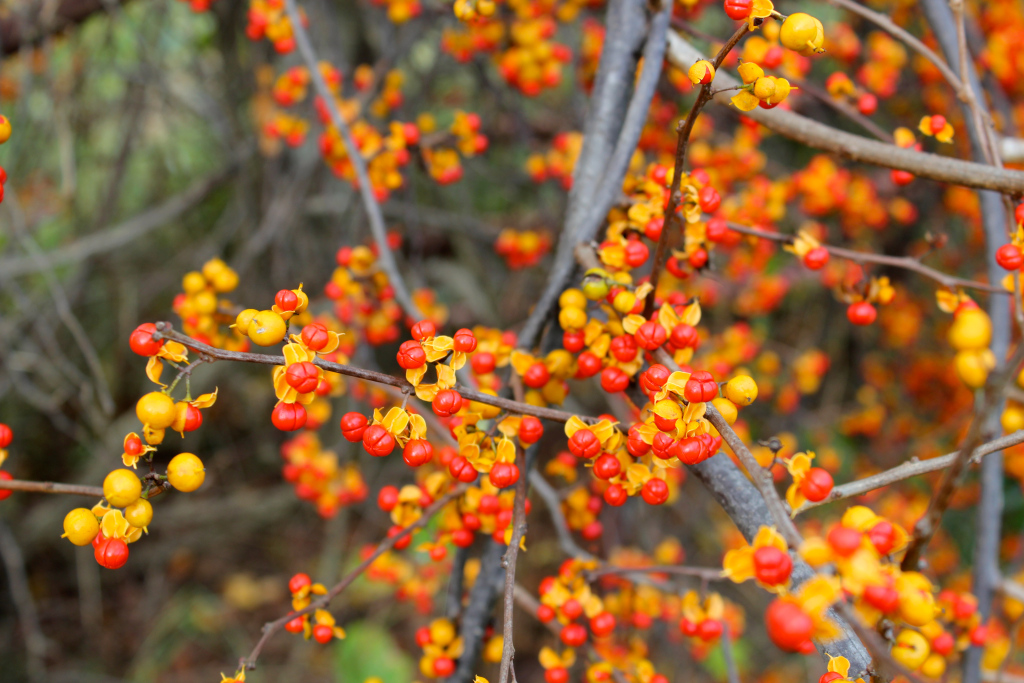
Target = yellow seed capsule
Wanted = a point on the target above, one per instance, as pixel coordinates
(741, 390)
(156, 410)
(1012, 418)
(5, 129)
(727, 408)
(702, 73)
(442, 632)
(80, 526)
(193, 282)
(971, 329)
(803, 33)
(934, 666)
(212, 267)
(572, 318)
(973, 366)
(122, 488)
(764, 88)
(243, 319)
(267, 328)
(910, 649)
(186, 473)
(624, 301)
(225, 281)
(205, 302)
(139, 514)
(572, 298)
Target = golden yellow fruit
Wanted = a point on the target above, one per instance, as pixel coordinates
(572, 318)
(267, 328)
(225, 281)
(803, 33)
(934, 666)
(193, 282)
(971, 329)
(156, 409)
(185, 472)
(80, 526)
(911, 649)
(243, 319)
(139, 514)
(727, 408)
(572, 298)
(741, 390)
(973, 366)
(122, 488)
(1012, 418)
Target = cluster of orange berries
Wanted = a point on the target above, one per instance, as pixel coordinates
(318, 477)
(199, 6)
(204, 315)
(559, 162)
(322, 628)
(522, 248)
(269, 19)
(6, 437)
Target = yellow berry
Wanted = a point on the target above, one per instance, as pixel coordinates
(803, 33)
(122, 488)
(764, 88)
(572, 298)
(916, 602)
(80, 526)
(1012, 418)
(205, 302)
(934, 666)
(267, 328)
(727, 408)
(185, 472)
(442, 632)
(624, 301)
(225, 281)
(193, 282)
(911, 649)
(741, 390)
(156, 409)
(572, 318)
(5, 129)
(595, 289)
(971, 329)
(212, 268)
(243, 319)
(973, 365)
(139, 514)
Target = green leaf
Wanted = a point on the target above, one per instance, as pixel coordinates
(370, 650)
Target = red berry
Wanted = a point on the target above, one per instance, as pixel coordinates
(572, 609)
(314, 336)
(353, 425)
(296, 625)
(883, 598)
(482, 362)
(635, 443)
(288, 416)
(687, 627)
(403, 542)
(573, 342)
(111, 553)
(1009, 257)
(378, 441)
(417, 452)
(1018, 213)
(830, 676)
(816, 258)
(690, 451)
(530, 430)
(699, 258)
(606, 466)
(464, 341)
(411, 355)
(615, 495)
(303, 377)
(654, 378)
(573, 635)
(979, 634)
(943, 643)
(901, 177)
(460, 468)
(424, 329)
(587, 365)
(788, 626)
(738, 9)
(286, 300)
(867, 104)
(938, 122)
(584, 444)
(655, 491)
(323, 633)
(614, 380)
(545, 614)
(709, 199)
(654, 227)
(556, 675)
(636, 253)
(592, 531)
(709, 630)
(683, 337)
(861, 313)
(772, 566)
(701, 387)
(624, 348)
(387, 499)
(536, 375)
(602, 624)
(844, 540)
(650, 335)
(6, 493)
(503, 475)
(662, 445)
(299, 581)
(447, 403)
(817, 485)
(6, 435)
(141, 340)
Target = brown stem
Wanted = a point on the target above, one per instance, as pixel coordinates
(272, 627)
(50, 487)
(675, 195)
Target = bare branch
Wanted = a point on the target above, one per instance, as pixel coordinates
(50, 487)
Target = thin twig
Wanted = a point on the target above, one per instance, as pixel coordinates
(166, 331)
(373, 212)
(50, 487)
(904, 262)
(672, 219)
(272, 627)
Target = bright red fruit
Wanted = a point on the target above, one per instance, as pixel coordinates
(378, 441)
(299, 581)
(417, 452)
(504, 474)
(709, 629)
(573, 635)
(584, 444)
(141, 340)
(817, 484)
(464, 341)
(861, 313)
(684, 337)
(788, 626)
(423, 330)
(530, 430)
(602, 624)
(614, 380)
(482, 363)
(615, 495)
(387, 499)
(411, 355)
(816, 258)
(111, 553)
(655, 491)
(883, 598)
(460, 468)
(6, 435)
(353, 425)
(288, 416)
(5, 476)
(536, 375)
(844, 540)
(1009, 256)
(701, 387)
(650, 335)
(772, 566)
(447, 403)
(607, 466)
(738, 9)
(286, 300)
(587, 365)
(314, 336)
(303, 377)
